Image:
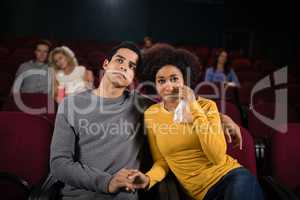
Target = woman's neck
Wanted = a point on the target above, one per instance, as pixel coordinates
(170, 105)
(68, 70)
(107, 90)
(220, 67)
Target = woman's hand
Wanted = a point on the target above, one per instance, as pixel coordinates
(89, 78)
(187, 94)
(232, 131)
(140, 180)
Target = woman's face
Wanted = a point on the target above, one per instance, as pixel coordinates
(167, 81)
(222, 58)
(60, 60)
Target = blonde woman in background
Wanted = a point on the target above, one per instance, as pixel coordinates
(70, 77)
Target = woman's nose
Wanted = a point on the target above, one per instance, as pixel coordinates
(168, 86)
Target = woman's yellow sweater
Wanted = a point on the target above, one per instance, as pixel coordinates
(195, 152)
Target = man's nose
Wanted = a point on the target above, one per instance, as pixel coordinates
(123, 68)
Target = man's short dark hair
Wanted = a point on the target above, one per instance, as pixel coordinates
(127, 45)
(43, 42)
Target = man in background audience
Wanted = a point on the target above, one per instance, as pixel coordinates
(148, 43)
(33, 76)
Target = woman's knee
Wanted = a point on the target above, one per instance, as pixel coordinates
(242, 175)
(242, 182)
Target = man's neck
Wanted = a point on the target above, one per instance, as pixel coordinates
(39, 62)
(107, 90)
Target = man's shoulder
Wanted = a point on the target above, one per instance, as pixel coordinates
(142, 101)
(84, 96)
(26, 65)
(72, 105)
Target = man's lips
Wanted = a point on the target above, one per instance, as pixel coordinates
(120, 74)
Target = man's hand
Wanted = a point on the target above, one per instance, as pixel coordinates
(140, 180)
(232, 131)
(121, 180)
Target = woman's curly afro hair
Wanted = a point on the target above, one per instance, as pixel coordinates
(160, 55)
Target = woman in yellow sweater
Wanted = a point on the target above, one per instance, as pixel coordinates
(194, 150)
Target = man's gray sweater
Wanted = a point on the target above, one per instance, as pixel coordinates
(94, 138)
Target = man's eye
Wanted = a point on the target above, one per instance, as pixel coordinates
(132, 67)
(119, 60)
(161, 81)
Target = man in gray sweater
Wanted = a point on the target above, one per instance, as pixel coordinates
(34, 76)
(98, 135)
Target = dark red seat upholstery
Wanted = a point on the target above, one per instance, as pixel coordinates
(286, 157)
(242, 64)
(246, 156)
(258, 128)
(24, 149)
(231, 110)
(31, 100)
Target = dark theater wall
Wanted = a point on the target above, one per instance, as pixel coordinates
(102, 20)
(268, 29)
(181, 21)
(174, 21)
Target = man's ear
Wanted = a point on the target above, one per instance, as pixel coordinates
(105, 63)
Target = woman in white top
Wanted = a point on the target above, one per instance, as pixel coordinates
(69, 76)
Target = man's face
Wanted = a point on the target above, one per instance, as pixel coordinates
(41, 53)
(120, 69)
(148, 43)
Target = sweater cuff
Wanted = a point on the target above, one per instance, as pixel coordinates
(103, 183)
(152, 181)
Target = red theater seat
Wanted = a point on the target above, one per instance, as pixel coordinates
(286, 157)
(24, 151)
(258, 128)
(246, 156)
(231, 110)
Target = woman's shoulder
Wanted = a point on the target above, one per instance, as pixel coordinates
(206, 103)
(231, 70)
(59, 74)
(78, 71)
(153, 109)
(209, 69)
(80, 68)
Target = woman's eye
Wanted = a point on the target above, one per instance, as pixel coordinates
(174, 79)
(161, 81)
